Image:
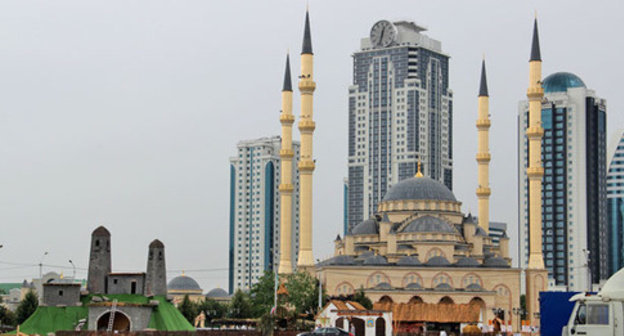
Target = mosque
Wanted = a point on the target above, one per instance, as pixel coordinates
(419, 250)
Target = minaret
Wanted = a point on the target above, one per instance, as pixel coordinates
(535, 171)
(536, 275)
(286, 187)
(99, 261)
(306, 162)
(156, 274)
(483, 153)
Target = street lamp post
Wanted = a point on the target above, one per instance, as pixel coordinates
(589, 274)
(519, 312)
(74, 270)
(41, 265)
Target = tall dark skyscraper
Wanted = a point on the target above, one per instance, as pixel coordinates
(400, 112)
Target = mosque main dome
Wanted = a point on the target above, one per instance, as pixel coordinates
(561, 82)
(184, 283)
(419, 188)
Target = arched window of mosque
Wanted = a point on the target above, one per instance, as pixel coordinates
(471, 279)
(412, 278)
(435, 252)
(344, 288)
(377, 278)
(501, 290)
(441, 279)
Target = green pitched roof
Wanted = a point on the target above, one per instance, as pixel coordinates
(165, 316)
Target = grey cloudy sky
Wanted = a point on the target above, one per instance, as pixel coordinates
(124, 113)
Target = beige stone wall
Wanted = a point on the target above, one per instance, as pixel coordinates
(501, 285)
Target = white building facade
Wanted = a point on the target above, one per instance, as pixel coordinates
(574, 222)
(400, 112)
(255, 210)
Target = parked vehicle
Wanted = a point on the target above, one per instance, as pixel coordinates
(601, 314)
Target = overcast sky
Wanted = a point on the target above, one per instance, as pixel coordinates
(125, 113)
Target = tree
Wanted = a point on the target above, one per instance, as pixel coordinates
(240, 306)
(188, 309)
(27, 307)
(7, 317)
(302, 292)
(262, 294)
(362, 299)
(212, 309)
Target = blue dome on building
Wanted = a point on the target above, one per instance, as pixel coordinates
(561, 82)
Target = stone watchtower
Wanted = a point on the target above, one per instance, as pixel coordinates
(99, 260)
(156, 278)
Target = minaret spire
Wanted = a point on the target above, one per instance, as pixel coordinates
(306, 161)
(483, 153)
(307, 38)
(483, 88)
(287, 82)
(286, 173)
(535, 47)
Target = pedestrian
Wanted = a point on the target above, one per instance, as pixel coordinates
(352, 329)
(443, 332)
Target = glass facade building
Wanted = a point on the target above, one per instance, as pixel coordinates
(574, 223)
(400, 112)
(615, 203)
(255, 210)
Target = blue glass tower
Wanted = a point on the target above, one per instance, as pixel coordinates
(615, 203)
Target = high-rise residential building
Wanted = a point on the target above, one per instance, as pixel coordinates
(574, 216)
(615, 202)
(497, 231)
(255, 210)
(400, 112)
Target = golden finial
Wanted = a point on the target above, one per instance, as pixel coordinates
(61, 276)
(183, 273)
(536, 14)
(418, 173)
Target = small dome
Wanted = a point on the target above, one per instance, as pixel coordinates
(376, 260)
(561, 82)
(217, 293)
(156, 244)
(438, 261)
(409, 261)
(338, 260)
(183, 282)
(413, 285)
(419, 188)
(467, 262)
(368, 226)
(474, 287)
(495, 262)
(101, 231)
(383, 285)
(365, 255)
(429, 224)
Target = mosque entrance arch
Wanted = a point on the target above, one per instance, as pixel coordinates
(385, 299)
(121, 322)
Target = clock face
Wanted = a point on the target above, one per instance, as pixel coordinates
(383, 33)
